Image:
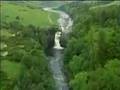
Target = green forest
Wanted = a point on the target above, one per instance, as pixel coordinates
(92, 56)
(91, 53)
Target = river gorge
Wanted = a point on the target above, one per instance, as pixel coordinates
(56, 60)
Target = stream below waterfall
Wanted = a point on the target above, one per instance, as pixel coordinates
(56, 61)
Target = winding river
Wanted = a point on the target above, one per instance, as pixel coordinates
(56, 61)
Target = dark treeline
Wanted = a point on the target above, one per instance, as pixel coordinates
(27, 47)
(92, 56)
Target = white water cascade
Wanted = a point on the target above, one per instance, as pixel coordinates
(65, 24)
(57, 40)
(56, 61)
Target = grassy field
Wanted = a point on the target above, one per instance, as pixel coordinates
(26, 15)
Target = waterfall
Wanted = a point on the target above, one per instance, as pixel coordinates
(57, 40)
(65, 24)
(56, 61)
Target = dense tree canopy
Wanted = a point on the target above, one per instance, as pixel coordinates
(27, 47)
(92, 55)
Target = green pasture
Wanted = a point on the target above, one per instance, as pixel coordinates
(27, 16)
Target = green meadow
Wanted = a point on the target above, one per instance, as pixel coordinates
(27, 15)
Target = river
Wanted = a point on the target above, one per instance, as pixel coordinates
(56, 61)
